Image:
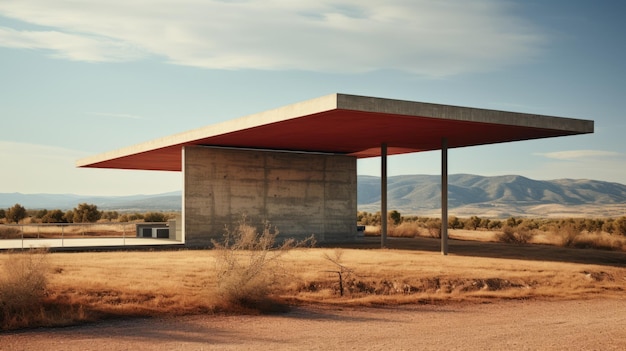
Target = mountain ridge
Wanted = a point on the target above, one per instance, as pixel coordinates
(494, 196)
(169, 201)
(498, 196)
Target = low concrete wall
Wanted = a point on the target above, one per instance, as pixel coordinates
(300, 194)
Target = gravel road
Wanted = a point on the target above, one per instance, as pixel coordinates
(598, 324)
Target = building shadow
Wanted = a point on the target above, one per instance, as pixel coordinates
(456, 247)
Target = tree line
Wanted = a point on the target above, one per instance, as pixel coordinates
(83, 213)
(591, 225)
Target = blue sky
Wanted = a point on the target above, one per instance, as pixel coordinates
(81, 78)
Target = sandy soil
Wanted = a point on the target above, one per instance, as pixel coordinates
(597, 324)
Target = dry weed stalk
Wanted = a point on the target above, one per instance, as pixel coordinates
(337, 261)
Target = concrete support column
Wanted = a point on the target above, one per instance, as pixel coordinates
(383, 194)
(444, 196)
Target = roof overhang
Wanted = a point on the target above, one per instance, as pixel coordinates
(350, 125)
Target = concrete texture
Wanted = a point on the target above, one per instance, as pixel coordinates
(301, 194)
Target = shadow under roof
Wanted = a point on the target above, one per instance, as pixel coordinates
(350, 125)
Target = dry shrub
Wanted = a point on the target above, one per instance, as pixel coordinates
(435, 287)
(22, 288)
(514, 235)
(568, 234)
(600, 241)
(405, 230)
(434, 228)
(10, 232)
(408, 229)
(249, 268)
(372, 230)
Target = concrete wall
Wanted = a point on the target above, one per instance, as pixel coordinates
(301, 194)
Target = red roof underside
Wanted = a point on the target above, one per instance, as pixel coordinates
(355, 133)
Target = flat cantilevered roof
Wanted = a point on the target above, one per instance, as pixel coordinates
(350, 125)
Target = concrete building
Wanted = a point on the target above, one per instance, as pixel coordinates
(295, 166)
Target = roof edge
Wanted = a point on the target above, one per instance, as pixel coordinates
(287, 112)
(461, 113)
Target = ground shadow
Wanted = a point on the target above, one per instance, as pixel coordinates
(494, 250)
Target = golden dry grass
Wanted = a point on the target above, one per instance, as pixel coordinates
(401, 276)
(92, 285)
(584, 240)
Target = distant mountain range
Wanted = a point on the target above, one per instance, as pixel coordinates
(499, 196)
(159, 202)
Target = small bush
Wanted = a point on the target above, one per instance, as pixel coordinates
(568, 234)
(620, 226)
(404, 230)
(22, 288)
(155, 217)
(10, 232)
(434, 228)
(248, 266)
(599, 241)
(514, 235)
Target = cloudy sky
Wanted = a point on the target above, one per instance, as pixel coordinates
(79, 78)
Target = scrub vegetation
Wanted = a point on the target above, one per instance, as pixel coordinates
(68, 288)
(82, 213)
(249, 267)
(583, 233)
(250, 271)
(23, 281)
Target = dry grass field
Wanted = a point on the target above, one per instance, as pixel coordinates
(89, 286)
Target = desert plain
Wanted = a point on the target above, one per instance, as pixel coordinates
(407, 296)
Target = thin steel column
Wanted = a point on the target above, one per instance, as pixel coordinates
(383, 194)
(444, 196)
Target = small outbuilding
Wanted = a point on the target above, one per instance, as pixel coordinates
(295, 166)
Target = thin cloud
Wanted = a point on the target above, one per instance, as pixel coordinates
(430, 38)
(70, 46)
(116, 115)
(578, 154)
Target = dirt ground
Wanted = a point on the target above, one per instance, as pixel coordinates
(596, 324)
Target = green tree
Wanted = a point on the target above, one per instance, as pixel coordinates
(472, 222)
(454, 223)
(512, 222)
(485, 222)
(86, 213)
(41, 213)
(110, 215)
(54, 216)
(135, 216)
(3, 213)
(495, 224)
(69, 216)
(155, 217)
(395, 217)
(16, 213)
